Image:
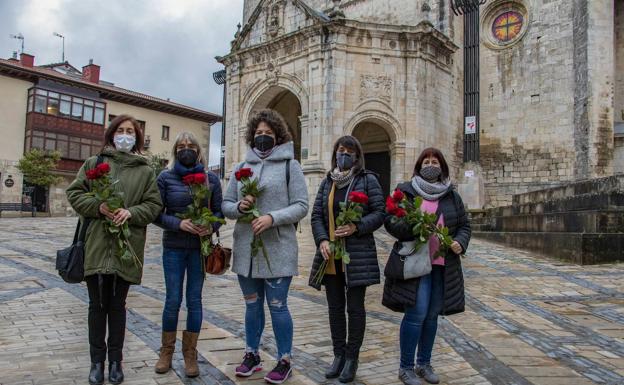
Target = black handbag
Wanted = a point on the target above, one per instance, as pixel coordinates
(70, 261)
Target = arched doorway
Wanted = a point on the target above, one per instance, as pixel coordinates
(288, 105)
(376, 144)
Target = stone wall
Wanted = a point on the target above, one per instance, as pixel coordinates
(526, 143)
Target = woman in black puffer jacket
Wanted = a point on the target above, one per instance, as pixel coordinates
(181, 250)
(442, 291)
(345, 284)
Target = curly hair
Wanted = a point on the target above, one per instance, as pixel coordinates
(274, 120)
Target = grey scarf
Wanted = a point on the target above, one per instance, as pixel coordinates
(341, 178)
(428, 190)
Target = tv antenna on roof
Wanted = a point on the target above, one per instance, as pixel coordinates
(19, 36)
(62, 37)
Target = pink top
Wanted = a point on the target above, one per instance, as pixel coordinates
(434, 243)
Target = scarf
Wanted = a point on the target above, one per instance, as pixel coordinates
(184, 171)
(341, 178)
(428, 190)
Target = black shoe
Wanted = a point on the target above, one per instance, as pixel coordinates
(96, 375)
(115, 372)
(348, 372)
(336, 367)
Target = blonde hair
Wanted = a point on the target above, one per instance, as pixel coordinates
(188, 136)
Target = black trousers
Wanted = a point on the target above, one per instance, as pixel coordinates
(107, 303)
(339, 297)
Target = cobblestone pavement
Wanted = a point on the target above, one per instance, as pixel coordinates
(528, 320)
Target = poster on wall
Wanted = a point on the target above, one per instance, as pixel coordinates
(470, 125)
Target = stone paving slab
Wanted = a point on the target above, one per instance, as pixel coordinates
(528, 320)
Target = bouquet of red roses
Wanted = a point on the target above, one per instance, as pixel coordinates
(250, 187)
(350, 212)
(197, 211)
(423, 224)
(103, 189)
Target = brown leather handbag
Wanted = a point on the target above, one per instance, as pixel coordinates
(218, 262)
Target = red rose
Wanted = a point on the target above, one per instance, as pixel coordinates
(188, 179)
(398, 195)
(199, 178)
(244, 173)
(400, 213)
(391, 206)
(92, 174)
(358, 197)
(103, 168)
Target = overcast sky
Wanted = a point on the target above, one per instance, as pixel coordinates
(162, 48)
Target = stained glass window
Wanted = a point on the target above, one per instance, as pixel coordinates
(507, 26)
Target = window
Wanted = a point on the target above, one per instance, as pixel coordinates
(77, 109)
(40, 104)
(98, 116)
(69, 147)
(53, 106)
(504, 23)
(507, 26)
(87, 114)
(165, 133)
(53, 103)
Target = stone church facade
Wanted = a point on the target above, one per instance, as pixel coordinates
(391, 73)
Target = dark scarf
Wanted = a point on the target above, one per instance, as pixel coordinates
(184, 171)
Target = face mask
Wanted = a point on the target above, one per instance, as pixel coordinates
(264, 142)
(187, 157)
(344, 160)
(430, 173)
(124, 143)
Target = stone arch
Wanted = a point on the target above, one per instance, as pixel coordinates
(378, 132)
(257, 92)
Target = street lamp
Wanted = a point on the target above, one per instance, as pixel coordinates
(19, 36)
(219, 78)
(462, 7)
(63, 38)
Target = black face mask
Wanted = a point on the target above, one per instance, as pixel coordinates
(187, 157)
(264, 142)
(344, 160)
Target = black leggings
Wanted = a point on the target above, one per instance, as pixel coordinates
(111, 307)
(339, 297)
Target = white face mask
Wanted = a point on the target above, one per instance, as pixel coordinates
(124, 143)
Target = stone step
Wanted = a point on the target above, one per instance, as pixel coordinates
(580, 248)
(595, 221)
(612, 184)
(586, 202)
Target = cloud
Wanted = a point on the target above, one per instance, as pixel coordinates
(159, 47)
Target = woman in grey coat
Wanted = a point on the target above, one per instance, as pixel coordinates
(282, 203)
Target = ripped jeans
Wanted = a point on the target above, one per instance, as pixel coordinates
(275, 290)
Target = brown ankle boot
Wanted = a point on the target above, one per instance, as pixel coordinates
(189, 351)
(166, 352)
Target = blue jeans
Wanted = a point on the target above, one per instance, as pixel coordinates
(420, 323)
(275, 290)
(177, 262)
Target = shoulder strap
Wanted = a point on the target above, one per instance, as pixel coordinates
(287, 172)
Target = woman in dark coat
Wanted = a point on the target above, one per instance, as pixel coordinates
(442, 291)
(345, 284)
(181, 250)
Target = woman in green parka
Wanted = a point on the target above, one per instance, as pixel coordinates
(108, 278)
